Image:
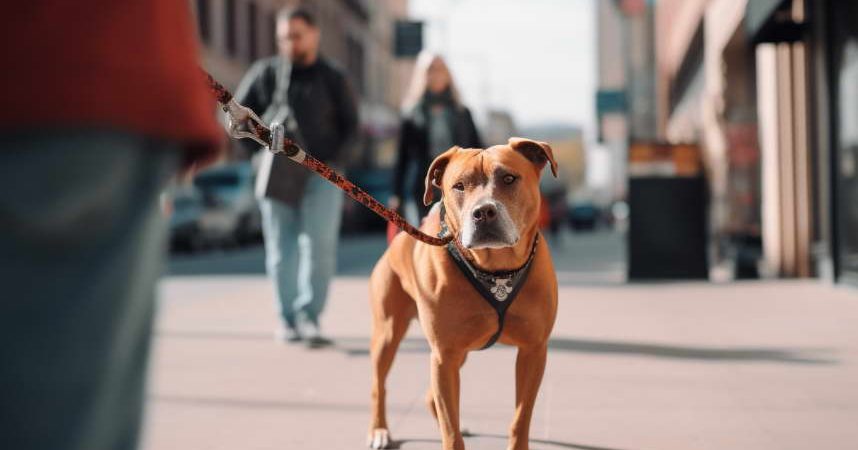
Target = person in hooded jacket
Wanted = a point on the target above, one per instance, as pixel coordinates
(433, 120)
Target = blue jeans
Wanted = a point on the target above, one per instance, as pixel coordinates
(301, 249)
(81, 246)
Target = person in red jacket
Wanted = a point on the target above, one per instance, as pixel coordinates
(102, 103)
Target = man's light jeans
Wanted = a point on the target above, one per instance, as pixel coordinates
(301, 249)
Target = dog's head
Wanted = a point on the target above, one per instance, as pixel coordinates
(492, 195)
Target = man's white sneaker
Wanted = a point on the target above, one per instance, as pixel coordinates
(288, 335)
(313, 336)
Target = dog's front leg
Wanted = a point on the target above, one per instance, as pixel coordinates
(445, 389)
(529, 367)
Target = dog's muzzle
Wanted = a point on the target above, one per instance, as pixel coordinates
(488, 225)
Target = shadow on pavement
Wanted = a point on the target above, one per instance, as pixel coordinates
(787, 356)
(359, 347)
(403, 443)
(730, 354)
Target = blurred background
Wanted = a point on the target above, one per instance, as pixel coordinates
(716, 134)
(700, 143)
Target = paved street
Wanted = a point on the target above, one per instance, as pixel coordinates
(768, 365)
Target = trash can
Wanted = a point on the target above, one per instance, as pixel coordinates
(667, 197)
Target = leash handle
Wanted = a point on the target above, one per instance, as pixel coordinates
(244, 123)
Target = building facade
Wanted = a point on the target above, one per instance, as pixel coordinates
(626, 102)
(706, 89)
(767, 89)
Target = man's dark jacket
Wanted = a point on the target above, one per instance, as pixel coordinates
(321, 111)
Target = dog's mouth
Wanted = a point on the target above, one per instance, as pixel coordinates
(488, 236)
(488, 239)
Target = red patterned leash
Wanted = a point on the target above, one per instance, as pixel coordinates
(243, 123)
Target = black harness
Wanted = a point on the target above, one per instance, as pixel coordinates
(499, 289)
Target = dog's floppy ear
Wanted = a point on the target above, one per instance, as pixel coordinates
(536, 152)
(436, 172)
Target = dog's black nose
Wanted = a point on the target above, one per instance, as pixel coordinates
(485, 213)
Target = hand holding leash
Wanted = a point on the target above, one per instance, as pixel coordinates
(242, 122)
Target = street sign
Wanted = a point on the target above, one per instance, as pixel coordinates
(408, 38)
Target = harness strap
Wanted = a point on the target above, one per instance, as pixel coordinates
(498, 289)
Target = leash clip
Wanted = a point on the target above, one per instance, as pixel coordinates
(242, 122)
(279, 142)
(278, 133)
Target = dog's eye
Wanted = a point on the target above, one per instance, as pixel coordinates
(459, 186)
(509, 179)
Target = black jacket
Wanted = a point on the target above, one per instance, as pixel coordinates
(414, 150)
(320, 106)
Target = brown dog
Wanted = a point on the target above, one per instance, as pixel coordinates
(490, 205)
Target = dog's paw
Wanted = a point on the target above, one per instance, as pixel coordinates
(379, 438)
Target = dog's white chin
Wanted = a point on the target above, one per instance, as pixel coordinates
(469, 243)
(489, 245)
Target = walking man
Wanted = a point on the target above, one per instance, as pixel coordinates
(301, 213)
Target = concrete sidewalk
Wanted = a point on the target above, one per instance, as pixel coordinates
(770, 365)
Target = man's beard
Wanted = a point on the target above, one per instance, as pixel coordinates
(301, 59)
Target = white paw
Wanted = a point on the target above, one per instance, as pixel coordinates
(379, 438)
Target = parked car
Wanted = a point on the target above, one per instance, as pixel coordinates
(584, 216)
(184, 207)
(231, 214)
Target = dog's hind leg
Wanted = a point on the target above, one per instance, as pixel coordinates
(392, 311)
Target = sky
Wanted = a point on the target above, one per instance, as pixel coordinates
(533, 58)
